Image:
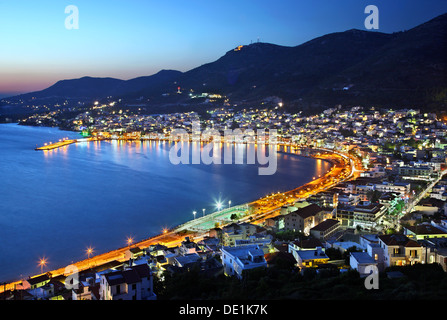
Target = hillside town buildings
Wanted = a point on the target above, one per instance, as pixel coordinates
(394, 214)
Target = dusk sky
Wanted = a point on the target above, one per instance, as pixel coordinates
(126, 39)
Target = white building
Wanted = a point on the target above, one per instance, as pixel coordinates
(360, 261)
(371, 243)
(401, 188)
(236, 260)
(375, 172)
(86, 290)
(309, 258)
(439, 192)
(441, 225)
(263, 241)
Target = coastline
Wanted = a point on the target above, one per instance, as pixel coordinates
(171, 235)
(290, 149)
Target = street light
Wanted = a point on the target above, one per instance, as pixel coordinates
(129, 241)
(229, 204)
(203, 212)
(89, 251)
(194, 213)
(219, 206)
(42, 263)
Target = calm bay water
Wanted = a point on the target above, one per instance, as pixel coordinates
(55, 204)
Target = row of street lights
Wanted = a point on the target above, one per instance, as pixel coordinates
(89, 251)
(219, 206)
(129, 240)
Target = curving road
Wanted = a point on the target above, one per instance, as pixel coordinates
(344, 169)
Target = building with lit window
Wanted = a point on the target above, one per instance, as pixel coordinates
(401, 188)
(366, 215)
(36, 282)
(87, 289)
(421, 171)
(132, 283)
(399, 250)
(237, 232)
(424, 231)
(309, 258)
(304, 219)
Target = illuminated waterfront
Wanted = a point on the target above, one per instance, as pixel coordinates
(57, 203)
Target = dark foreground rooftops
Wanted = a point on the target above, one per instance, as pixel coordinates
(129, 276)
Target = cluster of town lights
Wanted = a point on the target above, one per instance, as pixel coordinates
(42, 263)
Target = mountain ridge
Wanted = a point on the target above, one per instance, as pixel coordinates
(406, 68)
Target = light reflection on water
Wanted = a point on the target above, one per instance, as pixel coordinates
(56, 203)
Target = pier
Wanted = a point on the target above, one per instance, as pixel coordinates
(61, 143)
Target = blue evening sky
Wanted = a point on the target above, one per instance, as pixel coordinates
(126, 39)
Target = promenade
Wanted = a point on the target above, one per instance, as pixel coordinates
(343, 168)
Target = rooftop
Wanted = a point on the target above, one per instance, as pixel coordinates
(243, 250)
(425, 229)
(247, 254)
(325, 225)
(187, 259)
(307, 211)
(310, 243)
(362, 257)
(129, 276)
(398, 240)
(312, 254)
(370, 237)
(38, 279)
(347, 244)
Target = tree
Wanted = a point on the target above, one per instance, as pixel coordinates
(288, 235)
(347, 253)
(347, 132)
(334, 254)
(373, 195)
(391, 231)
(389, 146)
